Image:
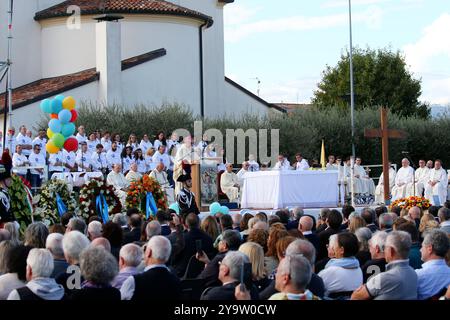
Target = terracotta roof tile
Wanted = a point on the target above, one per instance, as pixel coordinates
(92, 7)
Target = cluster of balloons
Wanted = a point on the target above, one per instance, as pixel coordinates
(215, 207)
(61, 128)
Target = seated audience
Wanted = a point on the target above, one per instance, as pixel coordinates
(130, 258)
(15, 270)
(333, 225)
(363, 235)
(94, 230)
(305, 226)
(377, 263)
(36, 235)
(415, 260)
(255, 253)
(54, 244)
(134, 234)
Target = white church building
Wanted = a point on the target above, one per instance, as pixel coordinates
(121, 51)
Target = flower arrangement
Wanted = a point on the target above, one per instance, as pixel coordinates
(407, 203)
(21, 201)
(138, 191)
(88, 197)
(46, 208)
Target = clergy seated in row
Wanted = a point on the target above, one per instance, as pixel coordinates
(363, 184)
(436, 187)
(301, 163)
(282, 163)
(161, 176)
(119, 182)
(403, 181)
(242, 172)
(332, 163)
(421, 177)
(379, 190)
(229, 183)
(133, 174)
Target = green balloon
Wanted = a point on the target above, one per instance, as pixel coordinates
(58, 140)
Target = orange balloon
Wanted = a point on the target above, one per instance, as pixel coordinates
(51, 148)
(54, 116)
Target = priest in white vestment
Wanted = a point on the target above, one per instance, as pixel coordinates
(421, 178)
(133, 174)
(242, 172)
(282, 163)
(229, 183)
(253, 165)
(300, 164)
(437, 185)
(403, 181)
(161, 176)
(363, 183)
(379, 190)
(187, 154)
(331, 164)
(119, 182)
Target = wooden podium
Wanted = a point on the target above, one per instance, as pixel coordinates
(195, 174)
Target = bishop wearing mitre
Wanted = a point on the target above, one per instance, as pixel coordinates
(403, 181)
(436, 188)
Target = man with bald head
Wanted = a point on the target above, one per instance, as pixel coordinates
(403, 181)
(102, 243)
(305, 226)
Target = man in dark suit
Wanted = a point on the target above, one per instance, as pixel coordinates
(181, 260)
(333, 223)
(162, 217)
(296, 213)
(369, 217)
(231, 240)
(229, 275)
(305, 227)
(135, 233)
(156, 282)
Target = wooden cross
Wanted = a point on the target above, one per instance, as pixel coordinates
(384, 133)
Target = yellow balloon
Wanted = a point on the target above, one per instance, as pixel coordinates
(51, 148)
(69, 103)
(50, 133)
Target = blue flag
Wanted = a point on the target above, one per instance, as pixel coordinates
(150, 205)
(60, 205)
(102, 208)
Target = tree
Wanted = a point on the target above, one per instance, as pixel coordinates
(381, 78)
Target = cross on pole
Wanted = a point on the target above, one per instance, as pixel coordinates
(385, 133)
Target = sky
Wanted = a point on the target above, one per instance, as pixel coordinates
(286, 44)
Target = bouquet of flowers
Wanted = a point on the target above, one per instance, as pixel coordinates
(47, 208)
(21, 200)
(137, 193)
(88, 198)
(407, 203)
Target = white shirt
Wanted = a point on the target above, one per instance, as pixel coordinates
(145, 145)
(141, 165)
(98, 161)
(164, 158)
(92, 146)
(1, 145)
(11, 144)
(133, 145)
(40, 142)
(338, 279)
(149, 162)
(54, 158)
(81, 138)
(253, 166)
(126, 164)
(285, 165)
(20, 160)
(113, 157)
(24, 140)
(69, 158)
(83, 160)
(106, 144)
(404, 175)
(302, 165)
(157, 144)
(37, 160)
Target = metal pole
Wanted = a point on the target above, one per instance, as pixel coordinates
(9, 62)
(352, 100)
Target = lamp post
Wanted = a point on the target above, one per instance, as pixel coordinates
(352, 100)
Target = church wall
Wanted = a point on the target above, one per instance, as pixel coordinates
(26, 45)
(30, 115)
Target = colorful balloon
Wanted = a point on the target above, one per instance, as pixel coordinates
(64, 116)
(69, 103)
(50, 133)
(60, 97)
(55, 125)
(58, 140)
(51, 148)
(74, 115)
(53, 116)
(46, 105)
(56, 106)
(224, 210)
(68, 129)
(214, 208)
(71, 144)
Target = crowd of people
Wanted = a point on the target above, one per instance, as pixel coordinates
(289, 255)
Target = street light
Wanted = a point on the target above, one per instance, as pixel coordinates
(352, 101)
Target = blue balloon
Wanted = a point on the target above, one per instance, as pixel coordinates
(56, 106)
(64, 116)
(68, 129)
(46, 106)
(55, 125)
(175, 207)
(214, 208)
(60, 97)
(225, 210)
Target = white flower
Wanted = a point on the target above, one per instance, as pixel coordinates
(86, 209)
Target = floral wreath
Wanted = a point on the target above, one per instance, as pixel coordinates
(408, 203)
(47, 208)
(88, 198)
(137, 192)
(21, 199)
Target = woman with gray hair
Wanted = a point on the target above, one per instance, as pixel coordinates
(36, 235)
(13, 228)
(363, 234)
(98, 268)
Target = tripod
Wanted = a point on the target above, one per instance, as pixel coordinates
(5, 67)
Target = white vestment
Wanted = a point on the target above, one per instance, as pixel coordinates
(133, 176)
(285, 165)
(240, 176)
(439, 189)
(184, 153)
(333, 166)
(228, 180)
(302, 165)
(161, 177)
(379, 191)
(363, 184)
(422, 177)
(403, 183)
(119, 182)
